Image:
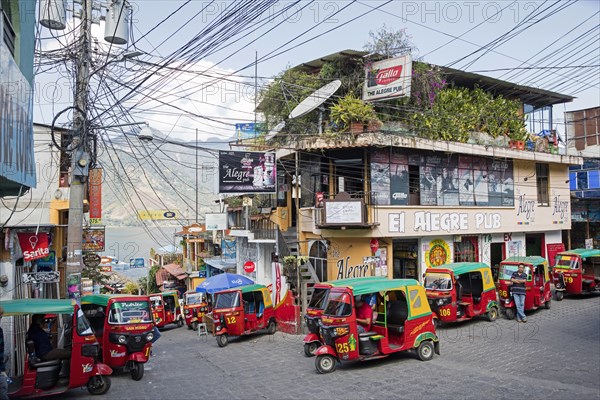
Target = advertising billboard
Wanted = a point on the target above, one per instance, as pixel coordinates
(95, 195)
(388, 79)
(93, 239)
(247, 172)
(216, 222)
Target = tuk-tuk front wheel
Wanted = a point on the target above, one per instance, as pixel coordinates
(194, 325)
(547, 304)
(272, 327)
(425, 350)
(325, 364)
(510, 313)
(136, 370)
(222, 340)
(179, 323)
(98, 384)
(559, 295)
(310, 348)
(492, 315)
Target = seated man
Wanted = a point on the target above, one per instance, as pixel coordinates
(41, 340)
(364, 315)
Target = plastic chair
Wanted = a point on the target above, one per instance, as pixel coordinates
(202, 330)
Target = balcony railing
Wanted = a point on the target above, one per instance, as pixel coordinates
(263, 228)
(346, 210)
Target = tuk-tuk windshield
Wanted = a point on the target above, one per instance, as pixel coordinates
(191, 299)
(437, 281)
(338, 305)
(318, 299)
(506, 271)
(156, 301)
(129, 312)
(228, 300)
(569, 262)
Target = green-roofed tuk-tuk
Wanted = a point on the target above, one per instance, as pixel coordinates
(124, 327)
(242, 311)
(576, 272)
(166, 309)
(318, 300)
(461, 291)
(36, 378)
(537, 287)
(402, 321)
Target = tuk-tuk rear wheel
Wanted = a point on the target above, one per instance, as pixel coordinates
(510, 313)
(492, 315)
(98, 384)
(222, 340)
(325, 364)
(136, 370)
(272, 327)
(547, 304)
(310, 348)
(559, 295)
(425, 350)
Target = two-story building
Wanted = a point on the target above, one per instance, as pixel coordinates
(391, 201)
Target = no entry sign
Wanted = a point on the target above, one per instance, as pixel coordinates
(249, 266)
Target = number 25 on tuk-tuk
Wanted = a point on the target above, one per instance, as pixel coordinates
(537, 287)
(124, 327)
(402, 321)
(242, 311)
(576, 272)
(36, 378)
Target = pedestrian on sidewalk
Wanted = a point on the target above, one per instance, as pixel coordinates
(518, 279)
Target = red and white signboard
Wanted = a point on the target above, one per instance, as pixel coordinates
(374, 244)
(249, 266)
(95, 195)
(388, 78)
(34, 246)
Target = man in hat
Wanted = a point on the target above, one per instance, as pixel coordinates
(41, 340)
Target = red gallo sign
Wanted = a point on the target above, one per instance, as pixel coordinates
(34, 246)
(386, 76)
(249, 266)
(374, 245)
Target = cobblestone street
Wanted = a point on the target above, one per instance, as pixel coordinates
(556, 355)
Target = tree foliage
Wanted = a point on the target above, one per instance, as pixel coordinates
(389, 42)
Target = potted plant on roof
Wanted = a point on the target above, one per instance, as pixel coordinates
(351, 114)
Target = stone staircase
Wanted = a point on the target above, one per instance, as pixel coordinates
(289, 246)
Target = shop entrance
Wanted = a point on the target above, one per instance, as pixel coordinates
(497, 255)
(534, 244)
(405, 259)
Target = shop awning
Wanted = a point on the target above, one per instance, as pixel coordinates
(175, 270)
(222, 264)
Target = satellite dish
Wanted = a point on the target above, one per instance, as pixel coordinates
(317, 98)
(275, 130)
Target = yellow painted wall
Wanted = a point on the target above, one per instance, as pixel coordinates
(345, 258)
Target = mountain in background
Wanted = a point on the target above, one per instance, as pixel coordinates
(158, 176)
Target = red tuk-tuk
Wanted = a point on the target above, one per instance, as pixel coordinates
(576, 272)
(461, 291)
(123, 325)
(36, 378)
(402, 321)
(166, 309)
(195, 305)
(538, 292)
(242, 311)
(318, 300)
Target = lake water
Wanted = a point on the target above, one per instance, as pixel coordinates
(127, 242)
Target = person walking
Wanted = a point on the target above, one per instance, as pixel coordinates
(518, 279)
(3, 378)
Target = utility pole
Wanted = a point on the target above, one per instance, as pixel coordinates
(79, 154)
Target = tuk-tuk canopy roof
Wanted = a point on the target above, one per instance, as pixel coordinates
(350, 281)
(251, 288)
(37, 306)
(102, 299)
(583, 253)
(462, 267)
(532, 260)
(372, 286)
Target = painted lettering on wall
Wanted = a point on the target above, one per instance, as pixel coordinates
(526, 208)
(345, 270)
(561, 208)
(431, 222)
(487, 220)
(396, 222)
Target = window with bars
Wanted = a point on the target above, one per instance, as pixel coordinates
(542, 181)
(467, 250)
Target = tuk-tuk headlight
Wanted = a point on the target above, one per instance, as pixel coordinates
(218, 328)
(122, 339)
(186, 311)
(507, 301)
(149, 336)
(440, 302)
(203, 309)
